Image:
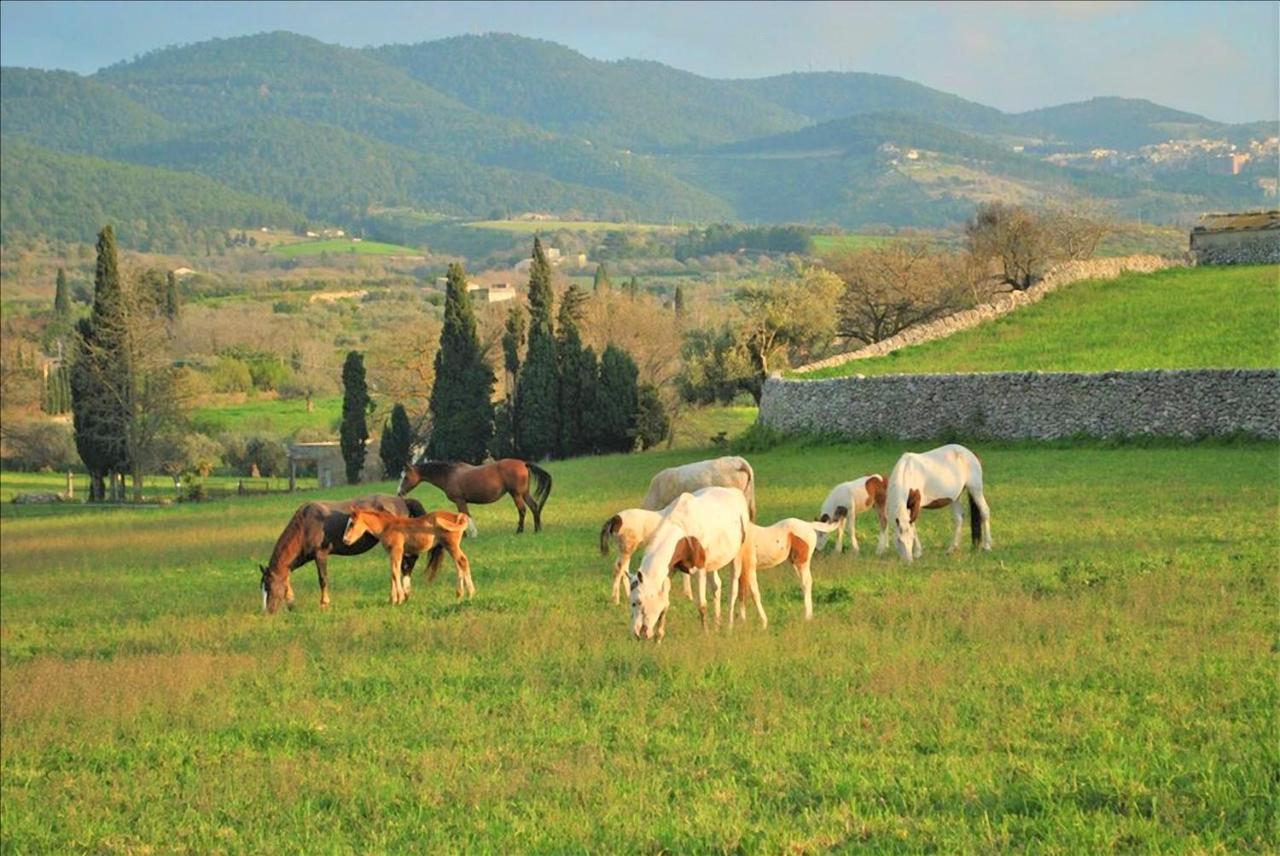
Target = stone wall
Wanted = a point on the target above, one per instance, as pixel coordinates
(1244, 247)
(1190, 403)
(1060, 275)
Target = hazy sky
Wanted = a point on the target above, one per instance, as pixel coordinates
(1218, 59)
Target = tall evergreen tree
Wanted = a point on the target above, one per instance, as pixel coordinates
(578, 377)
(356, 406)
(537, 410)
(506, 443)
(100, 366)
(396, 442)
(679, 302)
(172, 304)
(461, 399)
(617, 403)
(62, 296)
(601, 281)
(633, 288)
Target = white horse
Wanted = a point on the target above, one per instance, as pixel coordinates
(722, 472)
(849, 499)
(791, 540)
(700, 533)
(935, 479)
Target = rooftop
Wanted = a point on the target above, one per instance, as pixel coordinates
(1245, 220)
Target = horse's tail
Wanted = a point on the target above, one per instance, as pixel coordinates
(611, 526)
(975, 520)
(434, 558)
(542, 485)
(750, 490)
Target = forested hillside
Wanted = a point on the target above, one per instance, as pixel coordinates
(289, 128)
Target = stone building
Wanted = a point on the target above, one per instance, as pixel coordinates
(1251, 237)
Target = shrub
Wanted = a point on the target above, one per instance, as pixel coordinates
(231, 375)
(39, 445)
(242, 451)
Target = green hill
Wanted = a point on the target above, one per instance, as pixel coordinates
(70, 197)
(628, 104)
(69, 113)
(1181, 318)
(1120, 123)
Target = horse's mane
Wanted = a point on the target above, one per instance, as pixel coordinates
(428, 469)
(289, 544)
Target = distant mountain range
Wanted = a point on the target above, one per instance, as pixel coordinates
(186, 141)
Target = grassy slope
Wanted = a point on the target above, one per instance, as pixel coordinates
(343, 245)
(1183, 318)
(1104, 679)
(537, 226)
(831, 245)
(278, 417)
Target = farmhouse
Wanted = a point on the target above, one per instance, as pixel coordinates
(496, 293)
(1251, 237)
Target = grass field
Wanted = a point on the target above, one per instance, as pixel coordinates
(1104, 680)
(343, 245)
(529, 227)
(276, 416)
(1225, 317)
(838, 245)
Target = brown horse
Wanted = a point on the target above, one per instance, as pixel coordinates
(434, 532)
(463, 483)
(312, 534)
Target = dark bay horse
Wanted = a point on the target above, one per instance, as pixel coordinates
(464, 483)
(313, 533)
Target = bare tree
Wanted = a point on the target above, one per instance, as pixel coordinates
(1025, 242)
(1078, 228)
(899, 285)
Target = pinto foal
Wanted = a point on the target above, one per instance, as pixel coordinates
(434, 532)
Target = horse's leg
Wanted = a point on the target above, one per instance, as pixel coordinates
(957, 518)
(882, 543)
(806, 584)
(853, 532)
(461, 505)
(688, 586)
(520, 507)
(620, 569)
(537, 510)
(463, 564)
(715, 583)
(322, 572)
(840, 539)
(733, 591)
(702, 597)
(981, 502)
(397, 555)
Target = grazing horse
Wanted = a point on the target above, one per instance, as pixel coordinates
(464, 483)
(935, 479)
(849, 499)
(313, 534)
(791, 540)
(722, 472)
(434, 532)
(631, 529)
(701, 533)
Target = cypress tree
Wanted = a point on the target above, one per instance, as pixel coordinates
(354, 433)
(617, 404)
(578, 378)
(506, 443)
(601, 281)
(679, 302)
(633, 288)
(397, 439)
(461, 399)
(652, 422)
(537, 410)
(101, 364)
(172, 305)
(61, 296)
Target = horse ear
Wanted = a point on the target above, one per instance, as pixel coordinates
(841, 512)
(913, 504)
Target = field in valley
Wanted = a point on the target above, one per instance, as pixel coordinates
(1208, 317)
(1105, 679)
(343, 245)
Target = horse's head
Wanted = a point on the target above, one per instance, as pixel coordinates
(356, 527)
(905, 515)
(275, 589)
(409, 479)
(651, 586)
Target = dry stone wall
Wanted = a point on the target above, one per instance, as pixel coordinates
(1061, 275)
(1191, 404)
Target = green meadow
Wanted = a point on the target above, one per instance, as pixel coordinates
(839, 245)
(343, 245)
(277, 416)
(529, 227)
(1105, 679)
(1180, 318)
